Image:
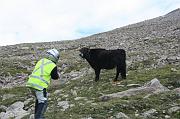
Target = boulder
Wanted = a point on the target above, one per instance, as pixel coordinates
(14, 111)
(154, 86)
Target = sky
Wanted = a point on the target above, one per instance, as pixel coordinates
(29, 21)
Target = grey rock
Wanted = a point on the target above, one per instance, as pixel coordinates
(64, 104)
(80, 98)
(154, 86)
(14, 111)
(121, 115)
(133, 85)
(173, 109)
(149, 113)
(57, 92)
(177, 90)
(74, 92)
(167, 117)
(2, 107)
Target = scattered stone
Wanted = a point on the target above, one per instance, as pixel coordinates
(3, 108)
(95, 104)
(147, 96)
(74, 93)
(65, 96)
(120, 85)
(164, 111)
(173, 109)
(121, 115)
(136, 115)
(57, 92)
(133, 85)
(149, 113)
(177, 90)
(174, 70)
(167, 117)
(64, 104)
(80, 98)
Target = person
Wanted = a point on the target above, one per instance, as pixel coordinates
(39, 80)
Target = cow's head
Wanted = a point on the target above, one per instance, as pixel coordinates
(84, 53)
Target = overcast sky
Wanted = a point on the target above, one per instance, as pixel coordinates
(25, 21)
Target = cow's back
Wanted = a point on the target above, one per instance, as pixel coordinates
(106, 59)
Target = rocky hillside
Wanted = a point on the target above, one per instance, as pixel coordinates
(151, 89)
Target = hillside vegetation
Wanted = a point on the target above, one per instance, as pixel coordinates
(153, 54)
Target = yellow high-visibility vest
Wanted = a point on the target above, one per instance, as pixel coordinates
(41, 75)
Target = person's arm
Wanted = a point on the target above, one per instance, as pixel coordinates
(54, 73)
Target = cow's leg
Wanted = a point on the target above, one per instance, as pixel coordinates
(97, 72)
(117, 73)
(123, 74)
(123, 71)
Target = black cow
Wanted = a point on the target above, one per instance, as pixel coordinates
(105, 59)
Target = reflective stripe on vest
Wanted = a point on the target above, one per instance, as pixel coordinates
(40, 78)
(35, 85)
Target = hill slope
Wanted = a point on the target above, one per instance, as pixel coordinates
(153, 52)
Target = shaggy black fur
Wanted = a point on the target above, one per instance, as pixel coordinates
(105, 59)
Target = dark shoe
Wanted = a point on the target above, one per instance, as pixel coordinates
(40, 110)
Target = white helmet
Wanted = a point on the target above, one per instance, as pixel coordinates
(53, 55)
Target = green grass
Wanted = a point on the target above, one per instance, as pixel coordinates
(166, 76)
